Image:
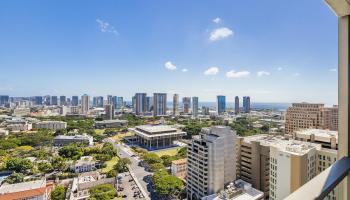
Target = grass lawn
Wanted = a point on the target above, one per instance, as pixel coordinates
(110, 164)
(120, 136)
(99, 131)
(170, 152)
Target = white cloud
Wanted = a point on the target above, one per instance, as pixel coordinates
(211, 71)
(263, 73)
(170, 66)
(184, 70)
(220, 33)
(217, 20)
(239, 74)
(280, 68)
(105, 27)
(333, 70)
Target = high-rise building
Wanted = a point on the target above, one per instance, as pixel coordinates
(75, 101)
(211, 163)
(63, 101)
(186, 102)
(159, 104)
(205, 110)
(37, 100)
(109, 112)
(220, 104)
(195, 106)
(4, 100)
(246, 104)
(47, 100)
(100, 101)
(115, 102)
(140, 103)
(310, 115)
(149, 104)
(175, 105)
(85, 101)
(109, 99)
(120, 103)
(236, 105)
(94, 101)
(54, 100)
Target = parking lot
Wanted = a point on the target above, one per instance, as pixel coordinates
(128, 188)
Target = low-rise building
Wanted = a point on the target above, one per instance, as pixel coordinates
(237, 190)
(19, 112)
(32, 190)
(111, 124)
(52, 125)
(328, 139)
(157, 136)
(179, 168)
(84, 164)
(62, 140)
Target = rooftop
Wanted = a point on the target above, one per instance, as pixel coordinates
(156, 128)
(18, 187)
(73, 136)
(319, 133)
(112, 121)
(180, 161)
(290, 146)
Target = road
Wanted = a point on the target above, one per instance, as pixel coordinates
(142, 176)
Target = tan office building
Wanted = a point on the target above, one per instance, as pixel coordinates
(179, 168)
(310, 115)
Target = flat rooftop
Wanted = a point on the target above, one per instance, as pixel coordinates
(287, 145)
(18, 187)
(153, 129)
(111, 121)
(320, 134)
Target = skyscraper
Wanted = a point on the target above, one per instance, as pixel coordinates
(246, 104)
(149, 104)
(37, 100)
(4, 100)
(236, 105)
(85, 101)
(211, 161)
(175, 105)
(115, 102)
(109, 99)
(159, 104)
(195, 106)
(63, 101)
(186, 102)
(140, 103)
(120, 103)
(221, 104)
(54, 100)
(109, 112)
(47, 100)
(75, 101)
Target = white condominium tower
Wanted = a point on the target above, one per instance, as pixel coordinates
(159, 104)
(85, 101)
(211, 161)
(175, 105)
(194, 106)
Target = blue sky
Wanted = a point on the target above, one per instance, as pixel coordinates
(272, 50)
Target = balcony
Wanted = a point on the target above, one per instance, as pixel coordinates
(337, 175)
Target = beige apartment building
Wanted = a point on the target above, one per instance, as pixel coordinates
(311, 115)
(179, 168)
(211, 162)
(278, 166)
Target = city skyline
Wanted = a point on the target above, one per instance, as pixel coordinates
(120, 48)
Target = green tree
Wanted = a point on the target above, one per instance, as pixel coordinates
(151, 158)
(19, 165)
(182, 153)
(156, 167)
(45, 167)
(111, 173)
(167, 160)
(71, 151)
(15, 178)
(59, 163)
(102, 192)
(166, 185)
(122, 165)
(58, 193)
